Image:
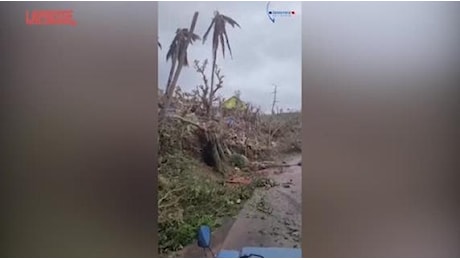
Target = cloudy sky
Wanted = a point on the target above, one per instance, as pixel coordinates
(264, 53)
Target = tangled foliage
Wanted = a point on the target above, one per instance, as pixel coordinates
(288, 138)
(190, 192)
(195, 128)
(189, 197)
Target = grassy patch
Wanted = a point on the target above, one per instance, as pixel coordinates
(191, 195)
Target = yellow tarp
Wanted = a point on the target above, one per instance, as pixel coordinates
(234, 103)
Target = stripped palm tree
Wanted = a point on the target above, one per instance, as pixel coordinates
(219, 36)
(177, 53)
(179, 45)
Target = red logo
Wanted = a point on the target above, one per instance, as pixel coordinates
(50, 17)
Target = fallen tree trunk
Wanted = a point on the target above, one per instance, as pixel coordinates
(263, 166)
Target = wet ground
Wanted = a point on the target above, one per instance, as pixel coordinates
(271, 218)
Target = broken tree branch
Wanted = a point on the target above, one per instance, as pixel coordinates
(189, 122)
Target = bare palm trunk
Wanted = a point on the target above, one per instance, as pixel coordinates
(211, 95)
(168, 85)
(170, 89)
(274, 99)
(171, 73)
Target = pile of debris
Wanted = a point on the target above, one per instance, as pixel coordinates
(222, 133)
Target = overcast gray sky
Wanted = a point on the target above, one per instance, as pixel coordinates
(264, 53)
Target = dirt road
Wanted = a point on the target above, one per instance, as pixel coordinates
(272, 217)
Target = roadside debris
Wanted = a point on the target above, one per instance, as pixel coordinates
(288, 184)
(239, 180)
(263, 207)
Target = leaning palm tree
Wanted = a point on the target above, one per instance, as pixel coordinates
(177, 53)
(178, 46)
(218, 22)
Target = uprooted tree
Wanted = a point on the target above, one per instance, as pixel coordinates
(215, 151)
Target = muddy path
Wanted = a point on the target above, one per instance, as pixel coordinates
(270, 218)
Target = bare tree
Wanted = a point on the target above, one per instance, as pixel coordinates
(219, 36)
(213, 92)
(178, 54)
(206, 94)
(202, 90)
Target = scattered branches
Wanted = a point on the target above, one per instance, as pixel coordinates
(195, 144)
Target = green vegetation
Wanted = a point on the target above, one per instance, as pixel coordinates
(239, 160)
(200, 150)
(191, 195)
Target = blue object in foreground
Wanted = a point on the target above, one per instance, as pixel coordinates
(228, 254)
(204, 241)
(204, 237)
(262, 252)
